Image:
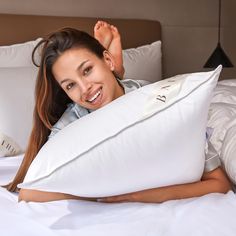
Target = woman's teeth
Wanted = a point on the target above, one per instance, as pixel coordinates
(95, 96)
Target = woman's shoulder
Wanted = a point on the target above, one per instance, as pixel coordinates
(72, 113)
(131, 84)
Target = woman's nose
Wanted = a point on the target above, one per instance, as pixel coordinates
(85, 87)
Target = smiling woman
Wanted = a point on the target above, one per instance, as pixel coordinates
(87, 79)
(77, 75)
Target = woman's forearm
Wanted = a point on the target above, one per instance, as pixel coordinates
(215, 181)
(29, 195)
(174, 192)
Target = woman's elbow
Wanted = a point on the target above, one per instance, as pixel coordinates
(219, 181)
(23, 195)
(224, 186)
(29, 195)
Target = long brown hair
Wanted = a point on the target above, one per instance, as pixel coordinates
(50, 100)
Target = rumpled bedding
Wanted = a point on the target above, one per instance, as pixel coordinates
(222, 118)
(222, 113)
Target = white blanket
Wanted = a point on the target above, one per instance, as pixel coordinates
(222, 114)
(222, 118)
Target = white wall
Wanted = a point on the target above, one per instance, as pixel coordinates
(188, 26)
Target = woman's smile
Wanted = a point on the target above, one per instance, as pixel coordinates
(95, 98)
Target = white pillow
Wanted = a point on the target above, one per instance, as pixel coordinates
(143, 63)
(135, 59)
(17, 55)
(8, 147)
(151, 137)
(17, 103)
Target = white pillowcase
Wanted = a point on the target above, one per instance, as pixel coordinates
(151, 137)
(8, 147)
(17, 79)
(17, 103)
(143, 63)
(17, 55)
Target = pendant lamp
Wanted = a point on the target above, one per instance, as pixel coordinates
(218, 57)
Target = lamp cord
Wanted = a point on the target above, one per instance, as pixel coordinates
(219, 22)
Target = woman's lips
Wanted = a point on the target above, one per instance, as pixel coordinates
(96, 98)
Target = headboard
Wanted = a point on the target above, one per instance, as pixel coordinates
(22, 28)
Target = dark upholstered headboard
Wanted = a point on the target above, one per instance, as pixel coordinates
(22, 28)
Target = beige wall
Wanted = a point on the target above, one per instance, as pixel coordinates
(189, 26)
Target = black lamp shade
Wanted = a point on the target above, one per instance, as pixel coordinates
(218, 57)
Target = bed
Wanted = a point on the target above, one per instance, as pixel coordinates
(212, 214)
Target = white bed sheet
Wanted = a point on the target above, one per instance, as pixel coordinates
(212, 214)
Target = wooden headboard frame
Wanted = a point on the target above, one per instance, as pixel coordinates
(22, 28)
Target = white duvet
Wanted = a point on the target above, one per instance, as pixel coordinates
(222, 115)
(212, 214)
(222, 118)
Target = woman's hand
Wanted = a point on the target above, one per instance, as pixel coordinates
(149, 195)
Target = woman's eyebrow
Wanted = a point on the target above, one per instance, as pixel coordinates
(79, 67)
(63, 81)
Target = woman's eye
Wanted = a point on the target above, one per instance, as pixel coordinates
(87, 70)
(69, 86)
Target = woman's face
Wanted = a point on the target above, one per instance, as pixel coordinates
(87, 79)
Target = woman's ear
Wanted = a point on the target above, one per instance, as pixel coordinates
(109, 60)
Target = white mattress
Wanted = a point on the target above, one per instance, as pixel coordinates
(212, 214)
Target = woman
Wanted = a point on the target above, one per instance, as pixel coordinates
(76, 69)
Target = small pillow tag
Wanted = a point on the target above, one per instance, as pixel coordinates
(8, 147)
(164, 93)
